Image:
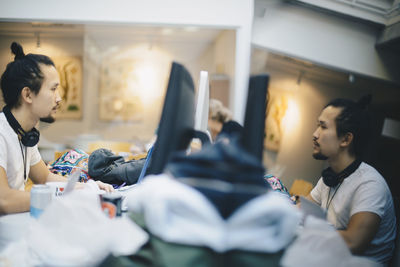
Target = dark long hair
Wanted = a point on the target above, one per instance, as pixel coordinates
(354, 118)
(24, 71)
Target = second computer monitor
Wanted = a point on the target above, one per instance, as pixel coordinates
(175, 129)
(254, 122)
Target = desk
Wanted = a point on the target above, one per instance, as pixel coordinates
(13, 227)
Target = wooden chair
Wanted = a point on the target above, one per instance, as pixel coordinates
(115, 147)
(300, 188)
(119, 148)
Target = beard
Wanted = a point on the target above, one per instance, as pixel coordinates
(319, 156)
(48, 119)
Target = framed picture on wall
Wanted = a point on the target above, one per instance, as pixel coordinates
(70, 88)
(276, 110)
(119, 93)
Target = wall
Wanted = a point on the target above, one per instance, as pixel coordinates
(323, 38)
(152, 12)
(141, 130)
(219, 58)
(68, 46)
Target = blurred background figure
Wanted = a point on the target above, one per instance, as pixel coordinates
(218, 115)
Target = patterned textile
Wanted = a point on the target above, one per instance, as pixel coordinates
(71, 161)
(278, 186)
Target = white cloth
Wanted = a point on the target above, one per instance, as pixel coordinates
(11, 155)
(178, 213)
(13, 227)
(318, 244)
(365, 190)
(74, 231)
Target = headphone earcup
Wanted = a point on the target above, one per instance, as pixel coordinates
(330, 178)
(30, 138)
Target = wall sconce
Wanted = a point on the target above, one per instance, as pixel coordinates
(37, 34)
(301, 74)
(352, 79)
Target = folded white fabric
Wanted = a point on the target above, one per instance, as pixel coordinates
(179, 213)
(73, 231)
(319, 244)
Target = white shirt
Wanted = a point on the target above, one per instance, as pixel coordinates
(11, 158)
(365, 190)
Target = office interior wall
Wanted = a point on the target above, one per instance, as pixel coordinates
(152, 12)
(327, 39)
(90, 126)
(219, 59)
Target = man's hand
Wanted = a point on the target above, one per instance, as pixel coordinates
(105, 187)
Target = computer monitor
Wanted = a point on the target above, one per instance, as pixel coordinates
(202, 104)
(254, 122)
(175, 129)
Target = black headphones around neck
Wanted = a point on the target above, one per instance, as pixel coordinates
(332, 178)
(30, 138)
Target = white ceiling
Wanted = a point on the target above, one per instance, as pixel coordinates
(187, 42)
(385, 12)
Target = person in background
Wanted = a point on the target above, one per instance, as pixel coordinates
(219, 120)
(29, 85)
(357, 199)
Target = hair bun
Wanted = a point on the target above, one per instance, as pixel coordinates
(17, 50)
(364, 101)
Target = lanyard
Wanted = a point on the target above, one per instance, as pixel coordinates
(23, 159)
(328, 202)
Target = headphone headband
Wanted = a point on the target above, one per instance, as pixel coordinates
(332, 179)
(30, 138)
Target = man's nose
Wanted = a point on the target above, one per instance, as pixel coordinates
(315, 134)
(58, 97)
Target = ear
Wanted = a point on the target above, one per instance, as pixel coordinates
(347, 139)
(26, 95)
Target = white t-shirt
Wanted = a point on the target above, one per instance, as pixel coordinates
(11, 155)
(364, 190)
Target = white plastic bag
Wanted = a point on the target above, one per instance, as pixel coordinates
(73, 231)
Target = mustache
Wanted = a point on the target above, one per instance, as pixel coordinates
(315, 142)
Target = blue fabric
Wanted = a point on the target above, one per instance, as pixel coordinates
(146, 163)
(226, 162)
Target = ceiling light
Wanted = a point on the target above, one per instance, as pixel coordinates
(167, 31)
(191, 29)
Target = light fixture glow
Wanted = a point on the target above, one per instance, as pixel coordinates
(167, 31)
(191, 29)
(291, 119)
